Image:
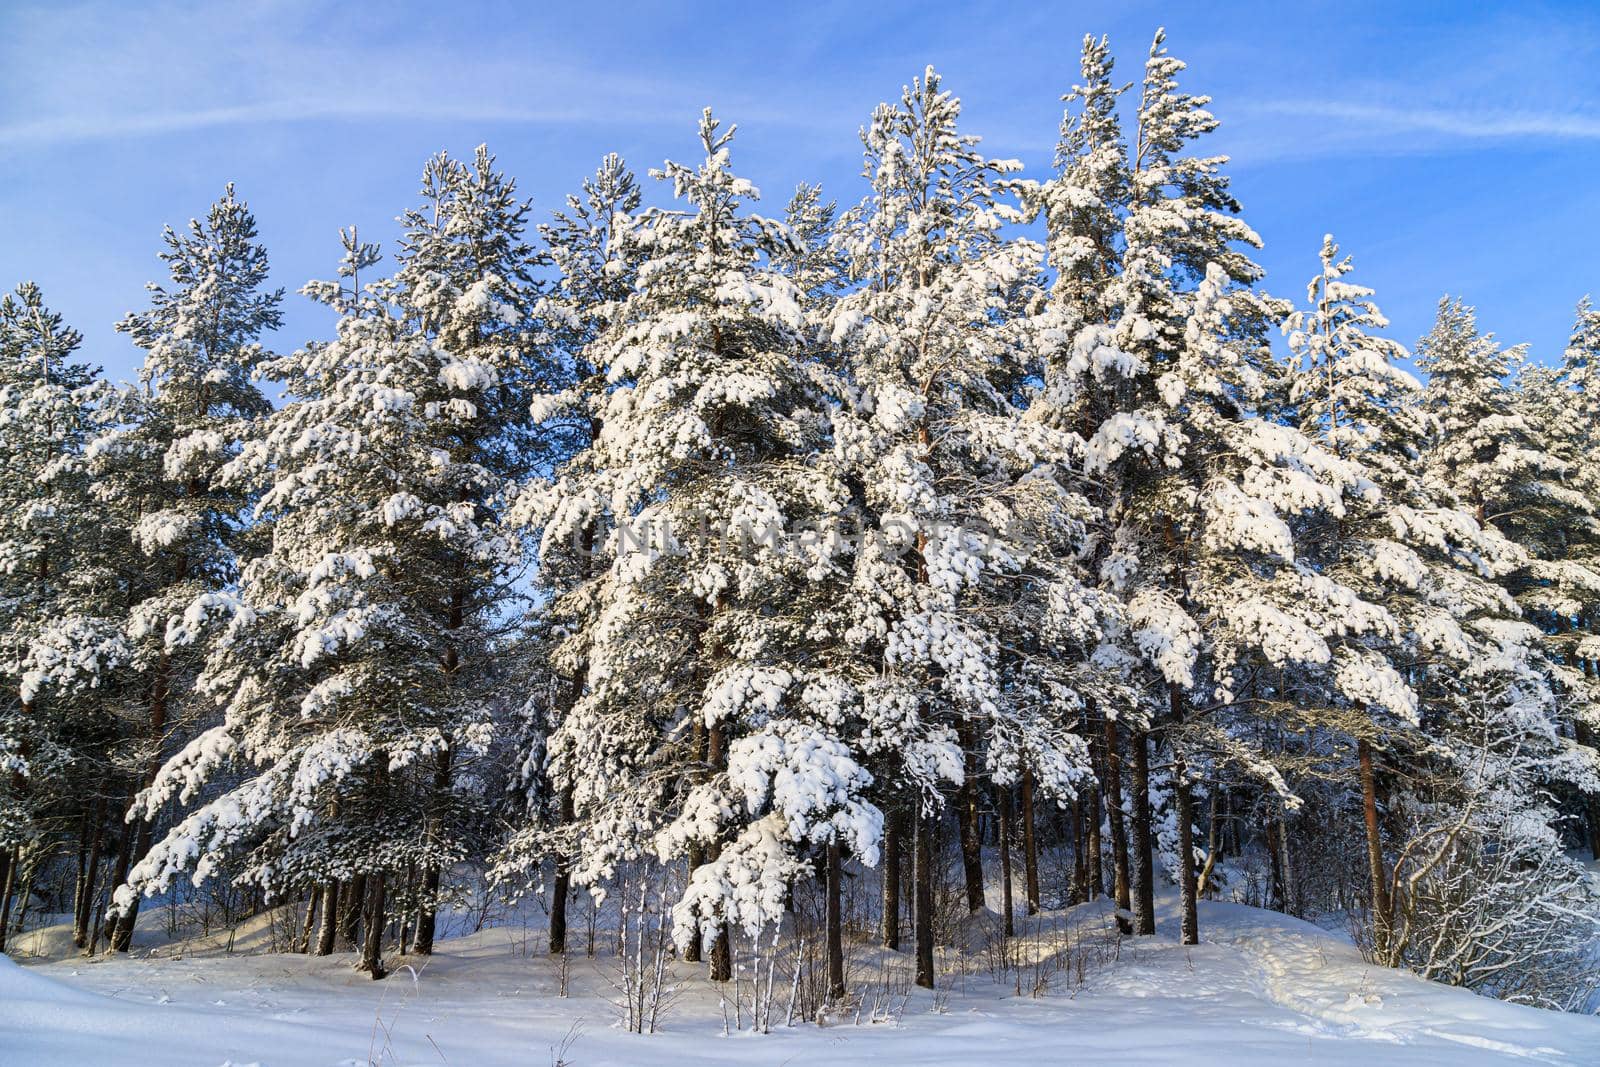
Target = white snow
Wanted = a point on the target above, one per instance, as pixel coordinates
(1263, 989)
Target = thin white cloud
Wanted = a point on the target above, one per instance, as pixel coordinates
(1462, 122)
(108, 76)
(70, 128)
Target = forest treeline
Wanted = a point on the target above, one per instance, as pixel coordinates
(1005, 509)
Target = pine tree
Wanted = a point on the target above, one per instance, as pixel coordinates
(966, 536)
(375, 603)
(1419, 567)
(201, 339)
(596, 268)
(61, 635)
(1085, 206)
(1563, 407)
(1197, 480)
(695, 475)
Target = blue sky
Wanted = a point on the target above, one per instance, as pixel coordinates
(1450, 146)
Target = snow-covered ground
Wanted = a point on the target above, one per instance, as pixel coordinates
(1264, 989)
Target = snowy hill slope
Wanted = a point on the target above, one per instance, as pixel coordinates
(1264, 989)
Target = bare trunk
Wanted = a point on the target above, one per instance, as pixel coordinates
(835, 929)
(1382, 906)
(1080, 859)
(1030, 844)
(8, 880)
(561, 888)
(122, 932)
(1005, 802)
(355, 898)
(924, 896)
(1213, 846)
(1091, 844)
(372, 943)
(1291, 889)
(691, 951)
(722, 944)
(427, 908)
(721, 954)
(967, 826)
(1280, 890)
(891, 882)
(1188, 889)
(1119, 831)
(309, 924)
(83, 914)
(330, 917)
(1144, 895)
(84, 830)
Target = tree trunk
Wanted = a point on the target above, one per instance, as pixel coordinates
(967, 825)
(1091, 844)
(721, 954)
(1382, 906)
(122, 932)
(1144, 895)
(1030, 844)
(1280, 890)
(405, 922)
(835, 931)
(427, 907)
(924, 896)
(692, 951)
(891, 882)
(1080, 859)
(309, 924)
(1291, 889)
(119, 875)
(84, 830)
(329, 927)
(1119, 831)
(722, 943)
(1188, 890)
(562, 887)
(355, 899)
(25, 896)
(372, 943)
(1005, 802)
(8, 881)
(84, 912)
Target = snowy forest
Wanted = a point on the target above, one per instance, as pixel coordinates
(740, 589)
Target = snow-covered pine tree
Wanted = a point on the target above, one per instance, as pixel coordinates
(1481, 448)
(1422, 570)
(59, 603)
(1515, 444)
(201, 339)
(1197, 480)
(967, 536)
(466, 285)
(1559, 590)
(1084, 206)
(697, 470)
(353, 669)
(1562, 405)
(595, 271)
(1500, 740)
